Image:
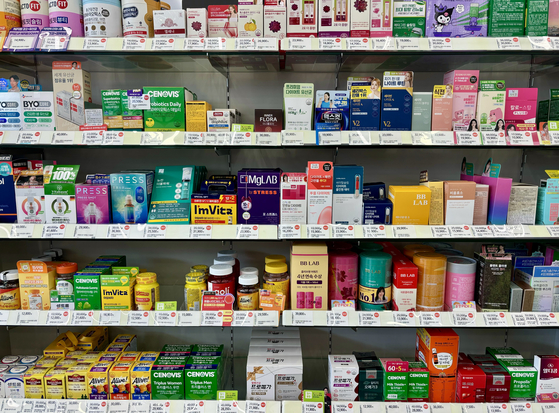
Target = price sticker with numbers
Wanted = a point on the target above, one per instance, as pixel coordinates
(193, 406)
(200, 231)
(342, 407)
(442, 138)
(294, 138)
(287, 231)
(550, 408)
(119, 406)
(508, 43)
(552, 229)
(167, 43)
(440, 43)
(267, 139)
(359, 138)
(403, 231)
(245, 43)
(466, 138)
(165, 318)
(302, 318)
(109, 318)
(243, 319)
(482, 231)
(269, 44)
(82, 318)
(496, 319)
(329, 138)
(440, 231)
(194, 138)
(421, 138)
(407, 43)
(113, 138)
(342, 231)
(357, 43)
(118, 231)
(91, 43)
(417, 408)
(374, 231)
(369, 318)
(133, 43)
(405, 318)
(267, 318)
(138, 318)
(525, 407)
(96, 406)
(62, 138)
(57, 318)
(54, 230)
(518, 319)
(303, 43)
(216, 43)
(460, 231)
(428, 319)
(472, 408)
(337, 318)
(85, 231)
(395, 407)
(22, 231)
(155, 231)
(497, 407)
(494, 138)
(4, 316)
(330, 43)
(212, 318)
(390, 138)
(139, 406)
(28, 138)
(189, 318)
(27, 317)
(247, 232)
(194, 43)
(317, 231)
(464, 318)
(521, 138)
(92, 137)
(547, 319)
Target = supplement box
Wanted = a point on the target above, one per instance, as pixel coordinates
(207, 350)
(196, 116)
(464, 97)
(274, 378)
(93, 204)
(55, 383)
(521, 107)
(381, 18)
(441, 116)
(548, 377)
(459, 199)
(167, 109)
(117, 292)
(499, 195)
(168, 378)
(251, 20)
(119, 380)
(111, 101)
(130, 196)
(60, 193)
(493, 281)
(360, 19)
(397, 101)
(421, 116)
(293, 208)
(13, 381)
(298, 105)
(203, 377)
(436, 211)
(491, 105)
(343, 376)
(547, 212)
(453, 18)
(275, 341)
(497, 384)
(275, 351)
(320, 178)
(221, 22)
(76, 382)
(133, 356)
(411, 204)
(220, 120)
(268, 120)
(196, 22)
(404, 283)
(377, 211)
(395, 379)
(258, 196)
(470, 384)
(418, 382)
(71, 88)
(140, 381)
(38, 111)
(132, 119)
(332, 110)
(481, 204)
(169, 23)
(408, 18)
(213, 208)
(98, 381)
(506, 18)
(279, 332)
(309, 259)
(8, 207)
(302, 18)
(34, 382)
(36, 279)
(87, 290)
(371, 380)
(347, 199)
(543, 282)
(523, 379)
(275, 21)
(364, 114)
(333, 18)
(522, 204)
(93, 339)
(12, 120)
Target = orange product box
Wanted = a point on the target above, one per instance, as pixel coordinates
(438, 349)
(130, 356)
(442, 389)
(119, 379)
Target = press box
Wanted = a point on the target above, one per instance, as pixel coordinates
(130, 196)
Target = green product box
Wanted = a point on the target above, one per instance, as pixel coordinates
(132, 119)
(395, 379)
(87, 290)
(98, 266)
(553, 104)
(506, 18)
(408, 18)
(523, 380)
(167, 112)
(536, 17)
(203, 378)
(60, 193)
(131, 272)
(418, 382)
(167, 381)
(177, 348)
(241, 127)
(207, 350)
(112, 108)
(61, 301)
(370, 381)
(543, 111)
(119, 260)
(495, 352)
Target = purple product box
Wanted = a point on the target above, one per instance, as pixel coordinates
(22, 39)
(499, 196)
(93, 204)
(258, 196)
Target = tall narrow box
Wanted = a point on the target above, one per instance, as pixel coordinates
(441, 117)
(459, 200)
(553, 19)
(320, 179)
(71, 88)
(8, 208)
(347, 200)
(11, 120)
(548, 378)
(499, 195)
(293, 198)
(258, 196)
(397, 101)
(360, 15)
(493, 275)
(421, 117)
(309, 258)
(364, 112)
(333, 18)
(30, 197)
(522, 204)
(481, 204)
(381, 18)
(132, 119)
(343, 375)
(436, 211)
(408, 18)
(197, 22)
(506, 18)
(251, 20)
(536, 17)
(464, 97)
(298, 105)
(404, 288)
(491, 105)
(60, 193)
(196, 116)
(547, 212)
(93, 204)
(112, 108)
(302, 18)
(411, 204)
(38, 111)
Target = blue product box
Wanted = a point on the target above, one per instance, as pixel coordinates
(131, 195)
(397, 101)
(98, 179)
(364, 114)
(332, 110)
(374, 191)
(258, 196)
(8, 211)
(377, 211)
(527, 264)
(219, 185)
(347, 198)
(546, 271)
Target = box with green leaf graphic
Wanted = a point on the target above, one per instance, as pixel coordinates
(60, 193)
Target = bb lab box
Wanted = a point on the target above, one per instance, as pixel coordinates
(320, 177)
(130, 196)
(411, 204)
(470, 384)
(347, 199)
(36, 279)
(38, 111)
(397, 101)
(404, 284)
(72, 89)
(309, 276)
(293, 207)
(548, 378)
(464, 96)
(60, 193)
(459, 199)
(258, 196)
(343, 375)
(274, 378)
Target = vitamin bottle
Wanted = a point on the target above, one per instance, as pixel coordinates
(430, 280)
(247, 292)
(195, 284)
(9, 290)
(146, 291)
(232, 254)
(274, 258)
(221, 279)
(276, 278)
(412, 249)
(65, 277)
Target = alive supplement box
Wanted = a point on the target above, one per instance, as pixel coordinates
(258, 196)
(397, 101)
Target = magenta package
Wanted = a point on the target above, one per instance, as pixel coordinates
(93, 204)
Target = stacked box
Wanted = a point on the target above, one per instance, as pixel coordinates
(395, 386)
(343, 373)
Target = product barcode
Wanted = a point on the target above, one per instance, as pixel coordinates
(64, 305)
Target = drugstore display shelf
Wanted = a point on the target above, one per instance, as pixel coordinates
(158, 232)
(285, 139)
(136, 406)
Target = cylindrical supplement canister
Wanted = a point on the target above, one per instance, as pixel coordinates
(10, 14)
(137, 17)
(342, 276)
(375, 280)
(247, 292)
(195, 284)
(9, 290)
(233, 255)
(276, 279)
(67, 13)
(460, 280)
(450, 252)
(102, 18)
(430, 281)
(35, 13)
(370, 246)
(412, 249)
(221, 279)
(146, 291)
(274, 258)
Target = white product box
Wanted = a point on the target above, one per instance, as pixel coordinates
(274, 351)
(220, 120)
(301, 18)
(360, 25)
(169, 23)
(274, 378)
(298, 106)
(277, 332)
(293, 209)
(11, 114)
(72, 87)
(333, 18)
(404, 299)
(38, 111)
(275, 22)
(251, 21)
(13, 380)
(347, 198)
(343, 374)
(55, 207)
(275, 342)
(30, 198)
(196, 22)
(522, 204)
(3, 370)
(546, 288)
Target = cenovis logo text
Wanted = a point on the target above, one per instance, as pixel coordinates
(208, 374)
(163, 94)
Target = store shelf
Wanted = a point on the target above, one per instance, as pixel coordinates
(272, 232)
(402, 319)
(139, 318)
(296, 139)
(137, 406)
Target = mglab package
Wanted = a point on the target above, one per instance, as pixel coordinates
(453, 18)
(131, 194)
(258, 196)
(60, 193)
(293, 198)
(332, 110)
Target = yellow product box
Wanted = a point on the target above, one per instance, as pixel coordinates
(98, 380)
(63, 344)
(66, 363)
(119, 379)
(36, 279)
(309, 275)
(75, 354)
(34, 382)
(140, 379)
(196, 116)
(118, 347)
(436, 211)
(94, 338)
(130, 356)
(110, 356)
(55, 383)
(410, 204)
(213, 208)
(76, 382)
(149, 356)
(47, 362)
(127, 338)
(90, 357)
(117, 292)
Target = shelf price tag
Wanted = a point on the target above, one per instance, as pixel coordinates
(295, 43)
(508, 43)
(4, 315)
(460, 231)
(193, 43)
(540, 43)
(118, 231)
(302, 318)
(212, 318)
(62, 138)
(417, 408)
(27, 406)
(421, 138)
(317, 231)
(395, 408)
(440, 43)
(374, 231)
(404, 318)
(247, 232)
(503, 231)
(359, 138)
(292, 138)
(343, 231)
(246, 43)
(337, 318)
(22, 230)
(55, 318)
(403, 231)
(289, 231)
(407, 43)
(552, 229)
(268, 44)
(85, 231)
(193, 138)
(472, 408)
(119, 406)
(330, 43)
(369, 318)
(546, 319)
(463, 318)
(132, 43)
(255, 407)
(200, 231)
(216, 43)
(266, 139)
(553, 137)
(241, 138)
(189, 318)
(329, 138)
(151, 138)
(518, 319)
(525, 407)
(440, 408)
(155, 231)
(466, 138)
(138, 318)
(109, 318)
(113, 137)
(163, 44)
(165, 318)
(555, 43)
(440, 231)
(91, 43)
(442, 138)
(28, 138)
(92, 137)
(390, 138)
(96, 406)
(267, 318)
(72, 406)
(139, 407)
(54, 230)
(40, 406)
(428, 319)
(82, 318)
(482, 231)
(550, 408)
(384, 43)
(51, 406)
(193, 406)
(521, 138)
(355, 43)
(243, 319)
(495, 319)
(496, 407)
(494, 138)
(159, 407)
(531, 319)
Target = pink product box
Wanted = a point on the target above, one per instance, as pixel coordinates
(334, 16)
(464, 99)
(222, 21)
(499, 196)
(381, 17)
(521, 105)
(275, 21)
(301, 18)
(93, 204)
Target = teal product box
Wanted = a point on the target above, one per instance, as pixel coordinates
(547, 209)
(421, 116)
(364, 114)
(506, 18)
(172, 189)
(347, 199)
(130, 197)
(371, 383)
(167, 109)
(60, 193)
(377, 212)
(332, 111)
(8, 210)
(408, 18)
(536, 17)
(397, 101)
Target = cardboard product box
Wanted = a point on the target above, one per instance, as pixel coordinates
(491, 105)
(377, 211)
(196, 23)
(131, 196)
(275, 22)
(521, 109)
(11, 120)
(258, 196)
(293, 198)
(548, 377)
(360, 19)
(93, 339)
(268, 120)
(404, 284)
(60, 193)
(213, 208)
(298, 105)
(332, 110)
(196, 116)
(436, 211)
(506, 18)
(309, 260)
(411, 204)
(482, 358)
(13, 380)
(347, 199)
(132, 119)
(493, 277)
(459, 199)
(441, 116)
(30, 197)
(117, 292)
(168, 378)
(499, 196)
(34, 382)
(220, 21)
(536, 17)
(397, 101)
(112, 108)
(333, 18)
(371, 380)
(203, 377)
(421, 116)
(343, 375)
(169, 23)
(522, 204)
(55, 383)
(279, 332)
(408, 18)
(76, 382)
(381, 18)
(553, 18)
(133, 356)
(527, 295)
(36, 279)
(275, 341)
(302, 18)
(140, 380)
(464, 97)
(547, 212)
(274, 378)
(167, 111)
(464, 360)
(221, 120)
(87, 290)
(98, 381)
(418, 382)
(38, 111)
(515, 298)
(275, 351)
(8, 207)
(364, 114)
(72, 88)
(497, 384)
(481, 204)
(470, 384)
(451, 18)
(438, 349)
(395, 372)
(544, 281)
(320, 178)
(523, 378)
(93, 204)
(251, 20)
(119, 379)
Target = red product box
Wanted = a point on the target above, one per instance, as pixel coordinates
(497, 384)
(404, 272)
(464, 360)
(481, 358)
(470, 384)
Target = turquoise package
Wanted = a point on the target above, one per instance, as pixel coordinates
(130, 196)
(375, 281)
(332, 110)
(173, 187)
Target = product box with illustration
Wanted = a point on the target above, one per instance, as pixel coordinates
(197, 22)
(411, 204)
(93, 204)
(38, 111)
(60, 193)
(251, 20)
(491, 105)
(521, 109)
(347, 200)
(293, 208)
(343, 375)
(222, 21)
(493, 281)
(130, 196)
(381, 18)
(268, 120)
(408, 18)
(8, 209)
(275, 22)
(453, 18)
(464, 97)
(71, 88)
(258, 196)
(360, 18)
(547, 212)
(333, 18)
(169, 23)
(36, 279)
(221, 120)
(30, 197)
(332, 110)
(274, 377)
(302, 18)
(320, 177)
(397, 101)
(309, 276)
(111, 101)
(167, 108)
(298, 107)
